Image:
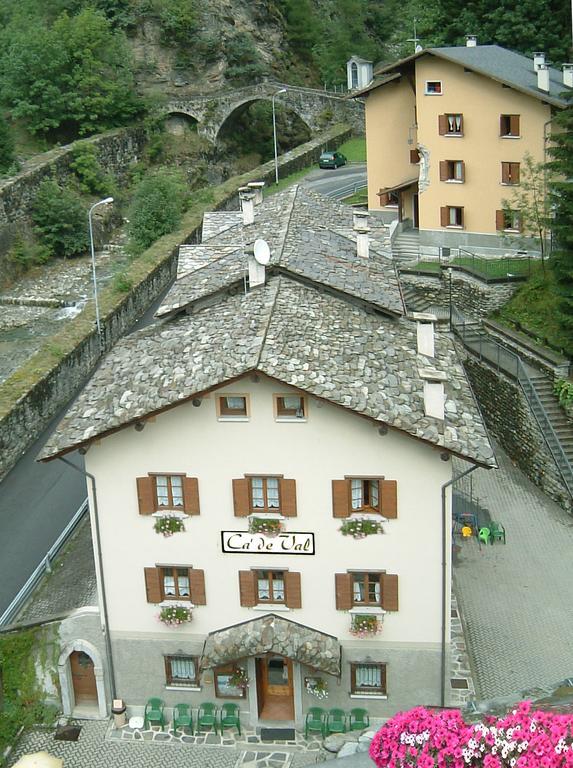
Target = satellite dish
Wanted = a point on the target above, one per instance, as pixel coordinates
(262, 252)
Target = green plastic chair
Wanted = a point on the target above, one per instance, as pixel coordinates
(314, 721)
(484, 535)
(182, 717)
(497, 532)
(359, 719)
(230, 717)
(154, 713)
(336, 721)
(207, 716)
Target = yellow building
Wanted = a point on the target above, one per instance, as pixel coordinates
(447, 130)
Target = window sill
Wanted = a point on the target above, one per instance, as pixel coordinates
(183, 688)
(381, 696)
(429, 93)
(291, 419)
(453, 135)
(509, 137)
(367, 610)
(233, 418)
(509, 184)
(171, 513)
(453, 226)
(454, 181)
(271, 607)
(176, 603)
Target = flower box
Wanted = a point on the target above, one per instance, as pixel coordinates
(360, 527)
(239, 678)
(268, 526)
(365, 625)
(175, 615)
(316, 687)
(168, 525)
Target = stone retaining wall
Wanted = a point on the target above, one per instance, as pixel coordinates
(509, 418)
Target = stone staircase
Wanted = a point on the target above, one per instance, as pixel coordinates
(562, 426)
(406, 246)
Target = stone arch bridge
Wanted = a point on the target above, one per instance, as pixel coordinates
(318, 109)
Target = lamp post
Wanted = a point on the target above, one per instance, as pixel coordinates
(106, 201)
(282, 90)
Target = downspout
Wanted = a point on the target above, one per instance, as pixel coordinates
(445, 581)
(100, 568)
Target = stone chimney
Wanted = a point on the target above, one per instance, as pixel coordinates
(568, 75)
(471, 41)
(247, 198)
(425, 332)
(257, 187)
(257, 272)
(538, 60)
(361, 229)
(543, 78)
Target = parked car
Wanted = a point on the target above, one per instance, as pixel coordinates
(331, 160)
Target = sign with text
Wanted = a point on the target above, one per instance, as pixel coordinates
(257, 543)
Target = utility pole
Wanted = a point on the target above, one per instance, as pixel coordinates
(416, 39)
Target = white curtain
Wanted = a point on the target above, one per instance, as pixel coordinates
(368, 677)
(183, 669)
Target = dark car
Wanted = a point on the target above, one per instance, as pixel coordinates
(331, 160)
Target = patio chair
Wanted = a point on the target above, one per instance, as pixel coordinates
(154, 713)
(207, 716)
(182, 718)
(230, 717)
(497, 532)
(314, 721)
(485, 535)
(359, 719)
(335, 721)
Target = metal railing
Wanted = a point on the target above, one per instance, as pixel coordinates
(347, 190)
(44, 567)
(488, 349)
(511, 267)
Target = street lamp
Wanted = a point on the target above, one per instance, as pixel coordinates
(106, 201)
(282, 90)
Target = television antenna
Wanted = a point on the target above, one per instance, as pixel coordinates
(416, 40)
(261, 252)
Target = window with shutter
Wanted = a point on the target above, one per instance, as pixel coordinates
(287, 491)
(509, 173)
(197, 585)
(175, 583)
(241, 497)
(177, 492)
(451, 124)
(270, 586)
(146, 495)
(509, 126)
(247, 588)
(153, 585)
(191, 496)
(389, 591)
(293, 594)
(340, 498)
(343, 591)
(366, 589)
(389, 498)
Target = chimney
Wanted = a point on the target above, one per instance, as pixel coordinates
(538, 60)
(471, 41)
(246, 196)
(434, 395)
(425, 332)
(361, 228)
(568, 75)
(257, 271)
(257, 187)
(543, 78)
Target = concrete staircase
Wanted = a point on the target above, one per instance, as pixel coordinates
(562, 426)
(406, 246)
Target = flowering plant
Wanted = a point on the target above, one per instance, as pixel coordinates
(436, 739)
(360, 528)
(168, 525)
(265, 525)
(239, 678)
(317, 687)
(174, 615)
(365, 625)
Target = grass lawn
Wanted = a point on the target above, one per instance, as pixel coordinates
(358, 198)
(496, 267)
(354, 149)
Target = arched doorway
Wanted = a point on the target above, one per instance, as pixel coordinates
(83, 679)
(81, 673)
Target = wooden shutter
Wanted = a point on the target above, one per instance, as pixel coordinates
(463, 176)
(146, 495)
(247, 588)
(293, 595)
(514, 170)
(191, 495)
(241, 498)
(340, 498)
(505, 173)
(444, 170)
(442, 124)
(444, 219)
(499, 220)
(388, 493)
(514, 125)
(389, 586)
(414, 156)
(197, 585)
(153, 584)
(384, 198)
(287, 490)
(343, 588)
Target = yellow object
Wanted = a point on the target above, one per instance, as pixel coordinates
(466, 531)
(39, 760)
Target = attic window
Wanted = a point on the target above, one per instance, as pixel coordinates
(433, 88)
(231, 407)
(290, 407)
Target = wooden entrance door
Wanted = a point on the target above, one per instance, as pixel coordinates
(83, 678)
(275, 688)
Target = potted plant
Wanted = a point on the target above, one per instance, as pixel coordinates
(360, 527)
(174, 615)
(365, 625)
(266, 525)
(168, 525)
(317, 687)
(239, 678)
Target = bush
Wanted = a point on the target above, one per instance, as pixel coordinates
(244, 64)
(60, 220)
(26, 252)
(6, 146)
(92, 180)
(157, 207)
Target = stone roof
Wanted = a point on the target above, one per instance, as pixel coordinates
(192, 257)
(313, 340)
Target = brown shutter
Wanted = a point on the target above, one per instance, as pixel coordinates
(462, 217)
(505, 173)
(461, 124)
(499, 220)
(514, 125)
(414, 156)
(146, 495)
(444, 221)
(340, 498)
(515, 173)
(153, 584)
(343, 588)
(388, 492)
(197, 586)
(389, 584)
(442, 124)
(287, 490)
(444, 170)
(241, 498)
(191, 495)
(384, 198)
(293, 595)
(463, 178)
(247, 591)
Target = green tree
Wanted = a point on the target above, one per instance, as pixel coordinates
(244, 63)
(158, 204)
(6, 145)
(60, 220)
(530, 202)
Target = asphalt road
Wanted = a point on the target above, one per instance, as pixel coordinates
(38, 500)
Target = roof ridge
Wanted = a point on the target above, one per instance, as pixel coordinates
(269, 318)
